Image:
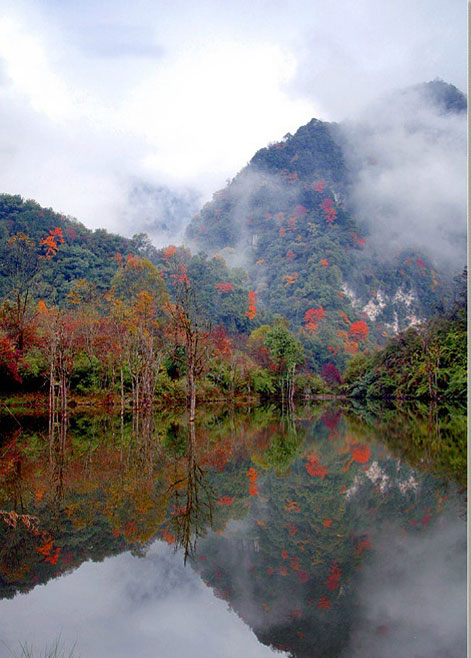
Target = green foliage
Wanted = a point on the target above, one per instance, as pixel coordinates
(428, 362)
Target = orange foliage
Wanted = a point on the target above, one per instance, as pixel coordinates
(324, 262)
(361, 453)
(351, 347)
(359, 330)
(181, 275)
(289, 279)
(252, 310)
(330, 212)
(225, 500)
(169, 252)
(312, 317)
(327, 523)
(53, 558)
(360, 241)
(252, 475)
(284, 554)
(168, 537)
(292, 506)
(52, 242)
(224, 287)
(313, 466)
(42, 308)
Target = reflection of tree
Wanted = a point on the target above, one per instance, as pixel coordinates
(192, 497)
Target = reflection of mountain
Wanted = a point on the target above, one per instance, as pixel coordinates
(289, 569)
(297, 508)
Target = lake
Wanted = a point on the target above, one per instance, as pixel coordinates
(330, 532)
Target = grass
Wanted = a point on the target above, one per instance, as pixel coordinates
(55, 651)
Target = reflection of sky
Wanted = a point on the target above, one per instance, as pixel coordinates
(128, 606)
(412, 596)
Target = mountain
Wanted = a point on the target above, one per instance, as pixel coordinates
(351, 231)
(359, 222)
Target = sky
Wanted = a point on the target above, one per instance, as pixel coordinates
(104, 103)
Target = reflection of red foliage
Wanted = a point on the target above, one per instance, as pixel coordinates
(252, 475)
(53, 558)
(361, 453)
(313, 466)
(331, 419)
(324, 603)
(335, 574)
(225, 500)
(362, 545)
(168, 537)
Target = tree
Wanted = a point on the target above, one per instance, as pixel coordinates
(287, 352)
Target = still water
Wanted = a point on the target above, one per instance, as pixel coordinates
(327, 532)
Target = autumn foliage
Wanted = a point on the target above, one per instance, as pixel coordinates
(312, 317)
(253, 487)
(252, 310)
(329, 211)
(359, 330)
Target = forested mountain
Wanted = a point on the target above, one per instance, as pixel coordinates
(313, 229)
(292, 218)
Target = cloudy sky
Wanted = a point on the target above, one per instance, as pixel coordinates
(99, 97)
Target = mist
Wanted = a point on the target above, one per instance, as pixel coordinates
(416, 605)
(129, 606)
(407, 158)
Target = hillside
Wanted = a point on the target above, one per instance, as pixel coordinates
(304, 231)
(293, 218)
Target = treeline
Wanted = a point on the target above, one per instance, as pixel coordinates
(426, 362)
(144, 340)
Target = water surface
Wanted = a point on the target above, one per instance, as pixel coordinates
(326, 532)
